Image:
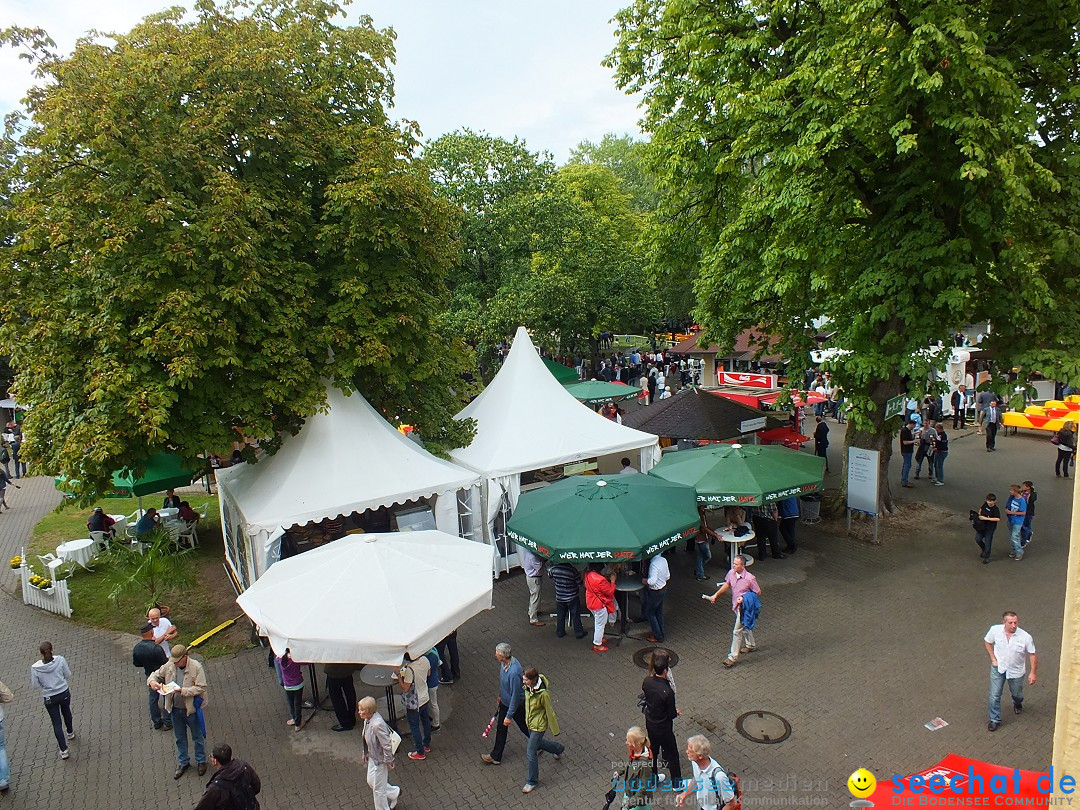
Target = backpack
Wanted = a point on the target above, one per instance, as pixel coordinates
(240, 793)
(5, 458)
(733, 782)
(433, 673)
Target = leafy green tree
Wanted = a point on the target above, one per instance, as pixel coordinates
(149, 571)
(898, 168)
(489, 180)
(586, 274)
(212, 216)
(628, 159)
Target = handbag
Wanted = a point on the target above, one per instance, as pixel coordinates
(1055, 440)
(395, 741)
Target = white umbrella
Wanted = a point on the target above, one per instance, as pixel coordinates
(370, 598)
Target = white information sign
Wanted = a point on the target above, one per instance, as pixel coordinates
(750, 425)
(862, 480)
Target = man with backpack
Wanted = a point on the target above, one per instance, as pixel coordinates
(715, 789)
(234, 784)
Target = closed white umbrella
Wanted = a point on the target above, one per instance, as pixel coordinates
(370, 598)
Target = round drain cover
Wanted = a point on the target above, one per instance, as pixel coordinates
(641, 657)
(763, 727)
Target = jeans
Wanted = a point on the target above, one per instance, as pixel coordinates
(379, 782)
(60, 705)
(534, 597)
(153, 704)
(920, 457)
(1025, 530)
(1014, 538)
(450, 669)
(939, 466)
(537, 743)
(662, 737)
(997, 686)
(985, 539)
(1061, 466)
(599, 619)
(420, 719)
(573, 608)
(704, 554)
(740, 637)
(182, 723)
(342, 693)
(905, 469)
(5, 768)
(500, 730)
(654, 611)
(295, 699)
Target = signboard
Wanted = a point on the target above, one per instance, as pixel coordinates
(894, 407)
(750, 425)
(862, 480)
(748, 380)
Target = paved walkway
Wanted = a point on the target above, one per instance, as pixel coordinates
(860, 646)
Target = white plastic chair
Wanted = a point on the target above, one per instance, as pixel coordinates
(203, 511)
(188, 536)
(52, 564)
(101, 541)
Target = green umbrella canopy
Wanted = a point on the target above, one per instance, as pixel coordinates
(749, 475)
(600, 391)
(561, 373)
(163, 471)
(613, 518)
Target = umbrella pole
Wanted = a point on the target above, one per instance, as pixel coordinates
(140, 505)
(315, 704)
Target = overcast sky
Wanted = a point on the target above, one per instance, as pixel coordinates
(529, 68)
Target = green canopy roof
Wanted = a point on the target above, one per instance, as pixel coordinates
(604, 518)
(163, 471)
(561, 373)
(749, 475)
(600, 391)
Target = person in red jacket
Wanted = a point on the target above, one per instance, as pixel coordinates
(600, 599)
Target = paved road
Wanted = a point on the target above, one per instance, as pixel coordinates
(859, 645)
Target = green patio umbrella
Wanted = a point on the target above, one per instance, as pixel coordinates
(749, 475)
(563, 374)
(597, 391)
(615, 518)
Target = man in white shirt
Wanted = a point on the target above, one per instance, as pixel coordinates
(1009, 648)
(627, 468)
(655, 591)
(164, 630)
(712, 785)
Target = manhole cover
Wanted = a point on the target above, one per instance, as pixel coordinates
(763, 727)
(641, 657)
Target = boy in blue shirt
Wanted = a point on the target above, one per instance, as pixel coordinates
(1016, 509)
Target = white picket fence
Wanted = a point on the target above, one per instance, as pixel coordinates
(56, 599)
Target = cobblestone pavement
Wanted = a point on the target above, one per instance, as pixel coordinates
(859, 647)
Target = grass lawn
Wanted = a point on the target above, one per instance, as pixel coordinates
(206, 603)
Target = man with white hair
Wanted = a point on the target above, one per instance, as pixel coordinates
(511, 702)
(714, 788)
(379, 755)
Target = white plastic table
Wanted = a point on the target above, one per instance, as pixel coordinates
(77, 551)
(168, 513)
(121, 524)
(728, 536)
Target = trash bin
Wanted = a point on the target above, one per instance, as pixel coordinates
(810, 507)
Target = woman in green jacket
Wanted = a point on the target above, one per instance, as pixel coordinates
(638, 780)
(540, 718)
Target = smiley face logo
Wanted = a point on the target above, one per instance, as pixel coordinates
(862, 784)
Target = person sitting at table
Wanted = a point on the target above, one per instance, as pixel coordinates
(149, 520)
(736, 517)
(186, 513)
(172, 500)
(100, 522)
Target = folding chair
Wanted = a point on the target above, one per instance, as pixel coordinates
(52, 564)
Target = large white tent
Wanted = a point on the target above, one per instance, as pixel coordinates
(526, 420)
(368, 599)
(346, 459)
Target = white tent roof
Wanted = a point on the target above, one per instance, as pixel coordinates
(368, 599)
(345, 460)
(526, 420)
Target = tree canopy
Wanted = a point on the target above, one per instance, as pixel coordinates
(211, 216)
(901, 169)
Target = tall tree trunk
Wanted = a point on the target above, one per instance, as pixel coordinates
(879, 438)
(594, 354)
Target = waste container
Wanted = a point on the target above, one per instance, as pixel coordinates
(810, 507)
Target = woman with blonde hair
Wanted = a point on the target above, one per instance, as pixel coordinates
(636, 780)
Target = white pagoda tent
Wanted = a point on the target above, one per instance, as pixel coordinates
(346, 459)
(526, 420)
